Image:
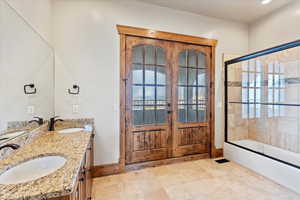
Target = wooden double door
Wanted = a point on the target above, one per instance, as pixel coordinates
(167, 99)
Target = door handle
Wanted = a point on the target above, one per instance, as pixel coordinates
(170, 111)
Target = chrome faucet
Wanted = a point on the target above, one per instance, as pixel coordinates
(38, 120)
(12, 146)
(53, 120)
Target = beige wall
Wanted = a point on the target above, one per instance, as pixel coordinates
(87, 43)
(37, 13)
(277, 28)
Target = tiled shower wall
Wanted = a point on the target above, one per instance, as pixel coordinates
(281, 130)
(237, 126)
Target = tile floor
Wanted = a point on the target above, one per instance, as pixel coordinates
(195, 180)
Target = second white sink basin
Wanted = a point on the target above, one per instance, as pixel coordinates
(70, 130)
(32, 170)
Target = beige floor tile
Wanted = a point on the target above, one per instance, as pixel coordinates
(195, 180)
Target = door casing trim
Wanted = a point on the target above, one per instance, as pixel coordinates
(154, 34)
(160, 35)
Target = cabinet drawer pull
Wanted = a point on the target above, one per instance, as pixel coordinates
(81, 180)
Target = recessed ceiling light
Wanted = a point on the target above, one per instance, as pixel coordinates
(264, 2)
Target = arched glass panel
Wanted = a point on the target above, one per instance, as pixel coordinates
(149, 85)
(192, 86)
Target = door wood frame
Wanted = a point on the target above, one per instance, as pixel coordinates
(160, 35)
(148, 33)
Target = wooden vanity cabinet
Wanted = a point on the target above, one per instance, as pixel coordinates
(83, 188)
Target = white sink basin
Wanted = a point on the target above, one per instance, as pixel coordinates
(32, 170)
(13, 134)
(70, 130)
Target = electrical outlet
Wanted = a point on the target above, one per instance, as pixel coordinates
(30, 110)
(75, 109)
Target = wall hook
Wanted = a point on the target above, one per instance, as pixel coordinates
(75, 87)
(32, 88)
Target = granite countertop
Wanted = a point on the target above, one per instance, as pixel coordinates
(60, 183)
(12, 129)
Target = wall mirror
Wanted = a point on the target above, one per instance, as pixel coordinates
(26, 76)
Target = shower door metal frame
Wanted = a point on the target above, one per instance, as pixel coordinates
(244, 58)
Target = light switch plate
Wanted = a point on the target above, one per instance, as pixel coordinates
(75, 109)
(30, 110)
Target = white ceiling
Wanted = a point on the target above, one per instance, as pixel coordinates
(246, 11)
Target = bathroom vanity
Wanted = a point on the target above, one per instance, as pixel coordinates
(71, 180)
(83, 185)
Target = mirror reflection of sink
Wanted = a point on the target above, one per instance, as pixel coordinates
(10, 135)
(32, 170)
(70, 130)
